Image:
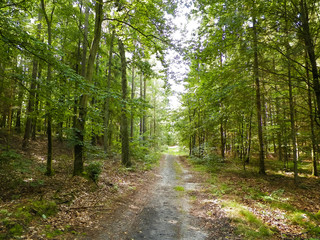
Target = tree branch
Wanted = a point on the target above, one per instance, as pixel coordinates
(138, 30)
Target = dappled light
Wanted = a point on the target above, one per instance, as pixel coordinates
(159, 119)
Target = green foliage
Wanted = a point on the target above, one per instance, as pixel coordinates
(51, 233)
(9, 155)
(16, 221)
(16, 230)
(210, 163)
(93, 170)
(176, 150)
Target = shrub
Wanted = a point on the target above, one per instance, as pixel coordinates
(94, 170)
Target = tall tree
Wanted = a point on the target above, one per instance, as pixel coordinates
(258, 89)
(125, 156)
(48, 19)
(81, 119)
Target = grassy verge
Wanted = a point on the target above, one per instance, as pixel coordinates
(266, 207)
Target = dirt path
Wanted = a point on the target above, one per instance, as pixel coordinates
(166, 215)
(158, 211)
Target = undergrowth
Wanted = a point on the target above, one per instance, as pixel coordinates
(242, 191)
(17, 220)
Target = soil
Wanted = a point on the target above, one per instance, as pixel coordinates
(173, 205)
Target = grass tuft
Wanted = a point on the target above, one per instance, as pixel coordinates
(179, 188)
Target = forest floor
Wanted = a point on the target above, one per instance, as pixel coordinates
(36, 206)
(264, 207)
(177, 199)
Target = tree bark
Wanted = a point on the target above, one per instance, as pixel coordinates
(291, 103)
(49, 77)
(132, 97)
(81, 119)
(258, 93)
(312, 132)
(125, 156)
(141, 97)
(144, 117)
(107, 100)
(309, 43)
(31, 102)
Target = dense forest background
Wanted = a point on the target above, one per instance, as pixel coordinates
(253, 88)
(85, 91)
(83, 71)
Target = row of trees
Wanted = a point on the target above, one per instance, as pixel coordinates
(65, 67)
(254, 81)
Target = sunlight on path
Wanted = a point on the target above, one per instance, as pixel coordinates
(176, 151)
(166, 215)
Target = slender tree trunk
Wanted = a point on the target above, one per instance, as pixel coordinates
(141, 97)
(19, 110)
(291, 104)
(293, 127)
(309, 43)
(107, 100)
(312, 133)
(249, 139)
(132, 97)
(31, 102)
(258, 94)
(125, 157)
(285, 134)
(144, 117)
(81, 120)
(49, 77)
(36, 108)
(279, 123)
(222, 141)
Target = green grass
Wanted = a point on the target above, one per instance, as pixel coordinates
(247, 223)
(176, 151)
(179, 188)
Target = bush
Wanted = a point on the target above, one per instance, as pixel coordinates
(93, 170)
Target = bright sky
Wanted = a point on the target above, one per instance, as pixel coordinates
(178, 67)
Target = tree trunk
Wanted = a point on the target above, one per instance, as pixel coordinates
(125, 156)
(144, 117)
(222, 139)
(31, 102)
(132, 97)
(81, 119)
(36, 107)
(258, 94)
(293, 127)
(309, 43)
(141, 97)
(312, 133)
(19, 110)
(49, 76)
(291, 104)
(107, 100)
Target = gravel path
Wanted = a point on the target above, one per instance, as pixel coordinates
(166, 215)
(159, 211)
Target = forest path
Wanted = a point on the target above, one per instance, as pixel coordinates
(160, 211)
